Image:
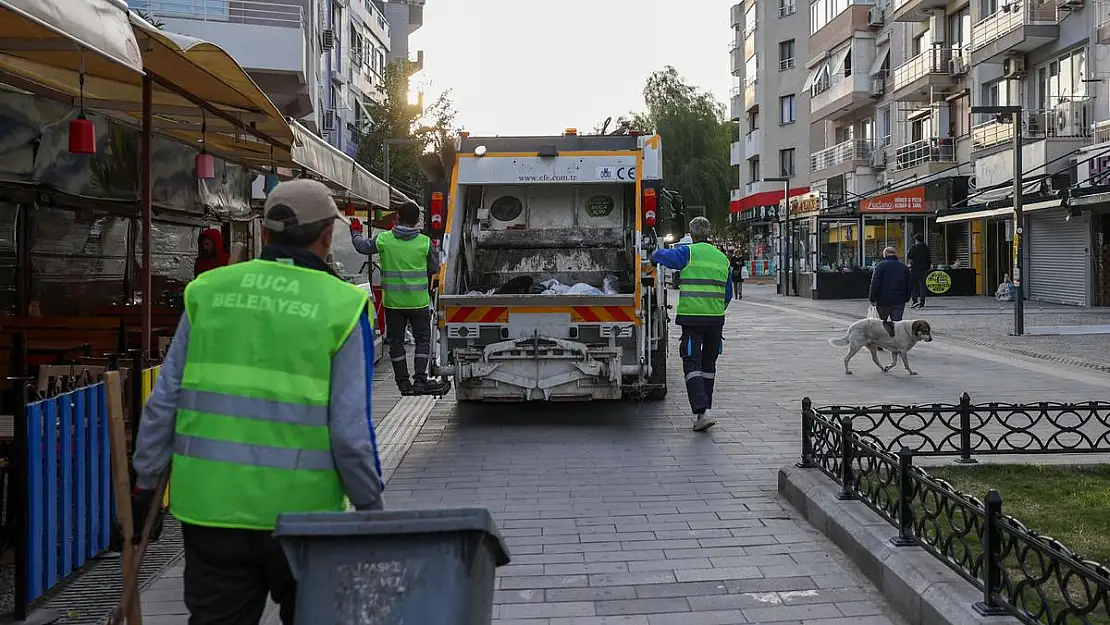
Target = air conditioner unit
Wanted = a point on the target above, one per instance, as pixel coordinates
(1013, 67)
(1071, 119)
(878, 87)
(878, 159)
(957, 66)
(330, 120)
(327, 39)
(874, 17)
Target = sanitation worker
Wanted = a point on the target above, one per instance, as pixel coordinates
(408, 263)
(262, 407)
(703, 296)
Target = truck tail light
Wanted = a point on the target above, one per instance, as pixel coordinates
(651, 205)
(437, 211)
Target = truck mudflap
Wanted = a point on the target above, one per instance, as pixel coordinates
(535, 368)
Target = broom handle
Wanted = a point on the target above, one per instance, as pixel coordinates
(131, 574)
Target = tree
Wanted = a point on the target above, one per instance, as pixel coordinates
(696, 140)
(395, 118)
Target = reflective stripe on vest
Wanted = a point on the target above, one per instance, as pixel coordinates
(702, 290)
(252, 438)
(404, 271)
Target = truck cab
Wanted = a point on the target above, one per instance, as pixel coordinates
(546, 289)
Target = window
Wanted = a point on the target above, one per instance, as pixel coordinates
(786, 163)
(959, 30)
(996, 93)
(787, 111)
(821, 12)
(839, 246)
(753, 122)
(749, 21)
(884, 125)
(786, 55)
(959, 113)
(1062, 79)
(753, 170)
(751, 70)
(920, 44)
(786, 7)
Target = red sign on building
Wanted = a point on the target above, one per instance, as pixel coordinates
(906, 201)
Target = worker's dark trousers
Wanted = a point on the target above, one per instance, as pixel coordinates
(917, 286)
(699, 347)
(420, 320)
(229, 572)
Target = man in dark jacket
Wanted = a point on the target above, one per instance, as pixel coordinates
(920, 261)
(890, 288)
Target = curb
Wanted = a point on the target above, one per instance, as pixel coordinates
(919, 587)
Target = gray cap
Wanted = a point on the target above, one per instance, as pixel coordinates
(299, 203)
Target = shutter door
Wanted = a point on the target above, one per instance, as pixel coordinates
(1057, 267)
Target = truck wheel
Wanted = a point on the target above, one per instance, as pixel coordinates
(658, 373)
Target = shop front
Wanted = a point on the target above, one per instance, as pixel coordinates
(848, 246)
(802, 227)
(761, 259)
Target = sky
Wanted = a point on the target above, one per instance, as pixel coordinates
(535, 67)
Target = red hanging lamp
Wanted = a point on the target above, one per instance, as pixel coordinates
(82, 131)
(205, 164)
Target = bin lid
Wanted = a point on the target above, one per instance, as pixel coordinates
(392, 523)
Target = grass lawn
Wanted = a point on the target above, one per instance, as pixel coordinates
(1068, 503)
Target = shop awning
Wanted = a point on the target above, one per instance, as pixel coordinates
(997, 212)
(324, 160)
(188, 74)
(766, 198)
(65, 34)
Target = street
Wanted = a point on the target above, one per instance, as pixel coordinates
(618, 513)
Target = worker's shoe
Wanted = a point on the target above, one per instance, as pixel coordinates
(439, 388)
(406, 388)
(703, 422)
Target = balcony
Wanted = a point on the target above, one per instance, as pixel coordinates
(736, 58)
(840, 28)
(749, 46)
(915, 10)
(843, 97)
(841, 158)
(736, 13)
(736, 103)
(753, 143)
(269, 39)
(925, 158)
(1021, 29)
(751, 95)
(736, 153)
(1069, 125)
(919, 78)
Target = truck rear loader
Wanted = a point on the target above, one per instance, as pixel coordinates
(546, 290)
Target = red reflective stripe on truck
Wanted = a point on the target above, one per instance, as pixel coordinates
(459, 315)
(585, 313)
(492, 315)
(619, 314)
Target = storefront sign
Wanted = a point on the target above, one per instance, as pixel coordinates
(938, 282)
(908, 201)
(808, 203)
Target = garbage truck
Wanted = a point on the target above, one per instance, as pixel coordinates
(546, 290)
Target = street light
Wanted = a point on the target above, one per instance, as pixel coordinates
(784, 239)
(1014, 112)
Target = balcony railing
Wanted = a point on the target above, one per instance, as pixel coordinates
(851, 150)
(1071, 119)
(935, 60)
(372, 9)
(234, 11)
(1003, 22)
(825, 92)
(751, 95)
(933, 150)
(786, 64)
(786, 8)
(753, 143)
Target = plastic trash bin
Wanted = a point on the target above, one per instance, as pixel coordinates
(411, 567)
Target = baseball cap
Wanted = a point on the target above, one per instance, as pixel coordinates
(299, 203)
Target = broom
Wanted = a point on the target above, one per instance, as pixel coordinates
(131, 573)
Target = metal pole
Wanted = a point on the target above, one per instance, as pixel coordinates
(789, 252)
(385, 165)
(148, 212)
(1019, 222)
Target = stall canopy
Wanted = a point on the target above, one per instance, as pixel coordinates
(321, 158)
(972, 215)
(196, 84)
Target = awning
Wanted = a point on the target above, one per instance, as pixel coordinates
(767, 198)
(65, 33)
(880, 59)
(836, 66)
(813, 74)
(187, 73)
(324, 160)
(997, 212)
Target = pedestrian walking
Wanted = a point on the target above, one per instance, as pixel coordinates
(738, 268)
(262, 407)
(408, 263)
(890, 288)
(921, 260)
(703, 296)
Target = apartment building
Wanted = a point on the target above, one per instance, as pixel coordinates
(320, 61)
(771, 111)
(896, 152)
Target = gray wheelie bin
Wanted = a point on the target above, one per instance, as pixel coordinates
(410, 567)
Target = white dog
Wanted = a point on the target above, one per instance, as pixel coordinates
(872, 334)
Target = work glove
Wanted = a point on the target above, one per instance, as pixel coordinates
(141, 501)
(356, 226)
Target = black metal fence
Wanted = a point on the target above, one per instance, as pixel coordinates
(1021, 573)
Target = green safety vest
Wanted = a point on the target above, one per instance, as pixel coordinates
(252, 438)
(702, 290)
(404, 271)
